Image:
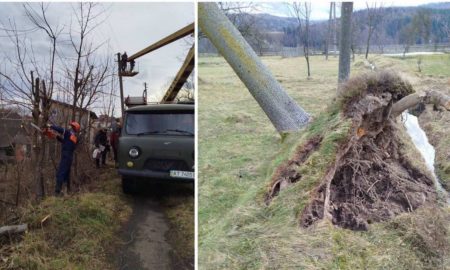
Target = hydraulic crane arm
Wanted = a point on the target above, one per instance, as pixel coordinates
(181, 77)
(169, 39)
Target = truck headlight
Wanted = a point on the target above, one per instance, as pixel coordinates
(134, 152)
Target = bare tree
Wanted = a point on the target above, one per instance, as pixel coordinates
(328, 37)
(345, 41)
(31, 81)
(374, 16)
(85, 78)
(334, 29)
(302, 12)
(238, 14)
(186, 94)
(23, 85)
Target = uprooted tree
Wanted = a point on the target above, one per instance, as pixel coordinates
(372, 178)
(375, 174)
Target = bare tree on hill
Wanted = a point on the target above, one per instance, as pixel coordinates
(302, 12)
(374, 17)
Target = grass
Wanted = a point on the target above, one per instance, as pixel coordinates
(180, 213)
(80, 233)
(239, 150)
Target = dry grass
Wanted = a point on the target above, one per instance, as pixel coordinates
(238, 152)
(80, 232)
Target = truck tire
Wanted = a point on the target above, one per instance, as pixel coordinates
(128, 185)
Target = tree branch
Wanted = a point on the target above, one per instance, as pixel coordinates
(428, 97)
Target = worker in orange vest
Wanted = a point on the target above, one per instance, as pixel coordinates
(69, 140)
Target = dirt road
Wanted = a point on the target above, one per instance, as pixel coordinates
(148, 236)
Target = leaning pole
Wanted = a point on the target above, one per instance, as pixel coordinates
(284, 113)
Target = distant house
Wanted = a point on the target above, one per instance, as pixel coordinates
(15, 144)
(104, 121)
(60, 114)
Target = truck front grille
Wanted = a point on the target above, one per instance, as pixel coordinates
(166, 165)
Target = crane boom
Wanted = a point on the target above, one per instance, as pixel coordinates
(181, 77)
(169, 39)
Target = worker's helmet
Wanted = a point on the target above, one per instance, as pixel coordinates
(75, 126)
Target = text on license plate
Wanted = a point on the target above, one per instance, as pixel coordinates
(182, 174)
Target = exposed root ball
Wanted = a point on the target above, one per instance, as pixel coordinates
(371, 179)
(372, 182)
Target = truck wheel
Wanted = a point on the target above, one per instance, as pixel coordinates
(128, 185)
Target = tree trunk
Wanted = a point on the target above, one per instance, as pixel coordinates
(37, 141)
(307, 39)
(428, 97)
(307, 63)
(368, 42)
(327, 41)
(13, 229)
(335, 29)
(353, 52)
(284, 113)
(345, 41)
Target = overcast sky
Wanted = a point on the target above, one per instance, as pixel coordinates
(129, 27)
(320, 9)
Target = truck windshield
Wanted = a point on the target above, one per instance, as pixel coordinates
(160, 122)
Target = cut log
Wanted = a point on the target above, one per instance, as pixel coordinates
(428, 97)
(13, 229)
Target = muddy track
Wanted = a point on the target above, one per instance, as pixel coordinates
(146, 241)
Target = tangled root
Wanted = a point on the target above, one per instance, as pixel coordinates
(287, 173)
(371, 179)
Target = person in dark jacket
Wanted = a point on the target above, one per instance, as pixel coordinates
(101, 142)
(69, 140)
(114, 140)
(124, 61)
(132, 63)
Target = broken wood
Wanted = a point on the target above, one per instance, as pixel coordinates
(13, 229)
(45, 219)
(428, 97)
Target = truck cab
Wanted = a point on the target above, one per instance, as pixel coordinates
(157, 144)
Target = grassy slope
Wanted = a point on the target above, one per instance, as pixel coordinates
(238, 149)
(84, 229)
(80, 233)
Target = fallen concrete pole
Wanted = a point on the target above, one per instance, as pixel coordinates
(284, 113)
(13, 229)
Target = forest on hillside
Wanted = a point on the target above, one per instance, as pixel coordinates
(423, 25)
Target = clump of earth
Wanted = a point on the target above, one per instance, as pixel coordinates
(372, 178)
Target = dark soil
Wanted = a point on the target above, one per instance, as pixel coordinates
(371, 179)
(287, 173)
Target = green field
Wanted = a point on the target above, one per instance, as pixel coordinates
(239, 150)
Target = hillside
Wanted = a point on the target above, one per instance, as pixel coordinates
(393, 25)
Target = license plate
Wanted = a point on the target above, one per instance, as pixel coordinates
(182, 174)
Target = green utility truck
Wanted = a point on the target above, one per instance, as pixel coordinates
(157, 144)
